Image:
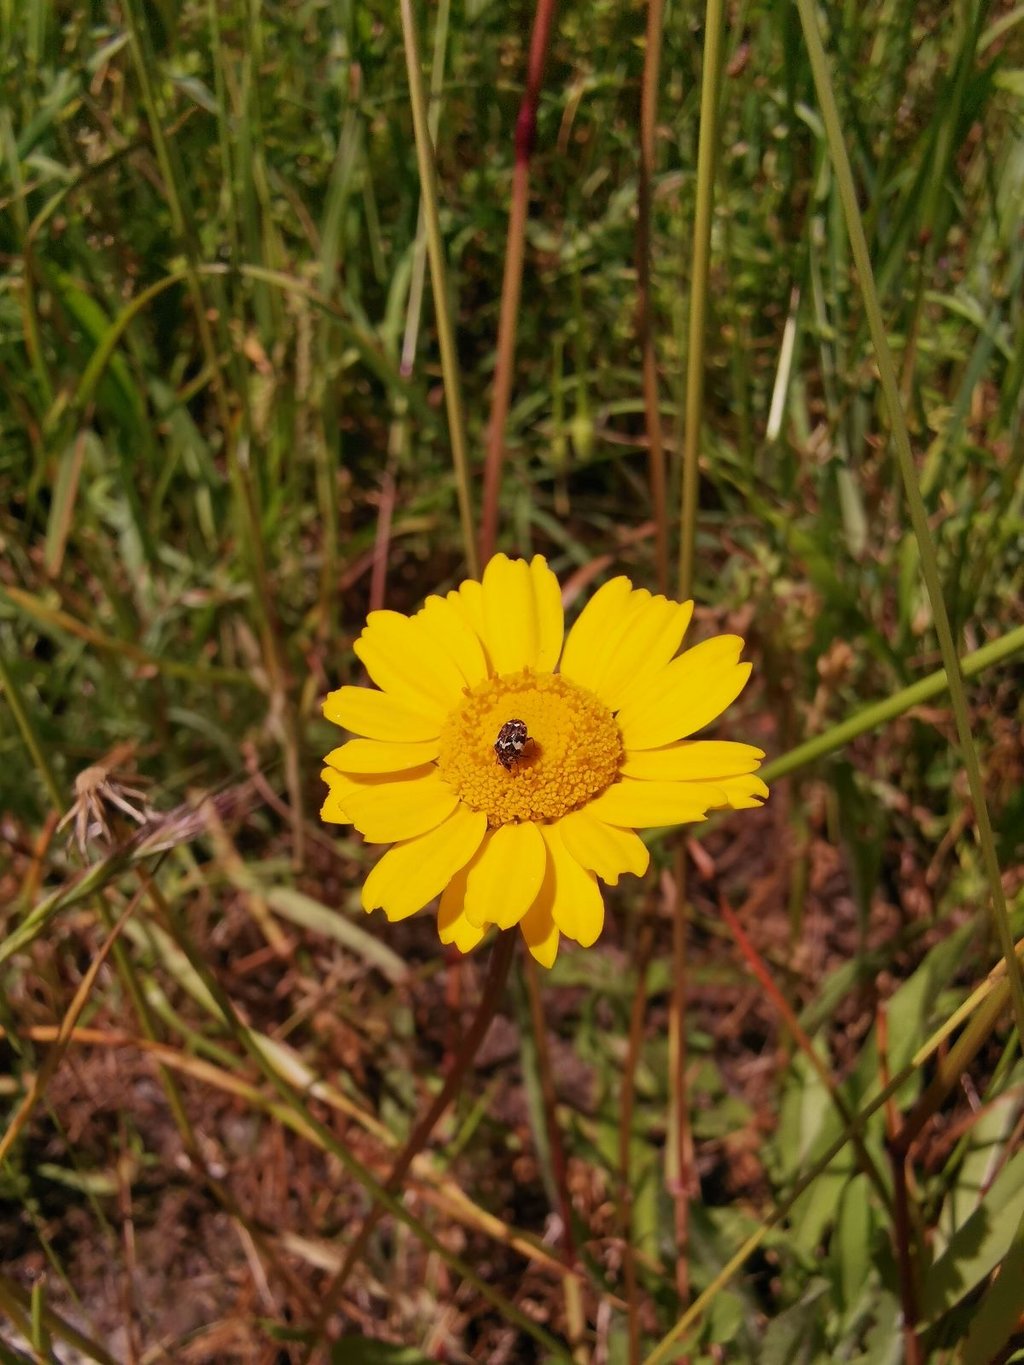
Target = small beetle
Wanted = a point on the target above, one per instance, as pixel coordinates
(512, 740)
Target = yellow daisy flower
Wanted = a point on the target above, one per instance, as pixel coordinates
(510, 772)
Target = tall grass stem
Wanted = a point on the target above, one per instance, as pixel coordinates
(439, 281)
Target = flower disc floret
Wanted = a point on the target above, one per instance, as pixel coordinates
(575, 749)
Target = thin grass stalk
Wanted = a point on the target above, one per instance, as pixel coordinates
(918, 513)
(645, 319)
(680, 1142)
(439, 282)
(490, 998)
(512, 279)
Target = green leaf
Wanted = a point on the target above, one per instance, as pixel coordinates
(796, 1337)
(999, 1311)
(884, 1345)
(852, 1242)
(985, 1151)
(979, 1244)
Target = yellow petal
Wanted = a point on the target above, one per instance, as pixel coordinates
(452, 924)
(403, 658)
(684, 696)
(377, 715)
(450, 629)
(577, 906)
(643, 805)
(510, 615)
(338, 785)
(414, 872)
(650, 639)
(468, 599)
(375, 756)
(586, 648)
(550, 615)
(743, 793)
(706, 759)
(386, 808)
(504, 880)
(468, 602)
(603, 848)
(540, 934)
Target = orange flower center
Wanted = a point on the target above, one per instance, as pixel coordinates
(573, 752)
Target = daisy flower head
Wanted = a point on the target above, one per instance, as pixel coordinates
(510, 764)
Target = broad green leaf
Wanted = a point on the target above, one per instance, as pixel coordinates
(851, 1246)
(978, 1245)
(999, 1311)
(985, 1150)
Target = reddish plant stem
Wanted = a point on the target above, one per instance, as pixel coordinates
(511, 285)
(645, 327)
(490, 998)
